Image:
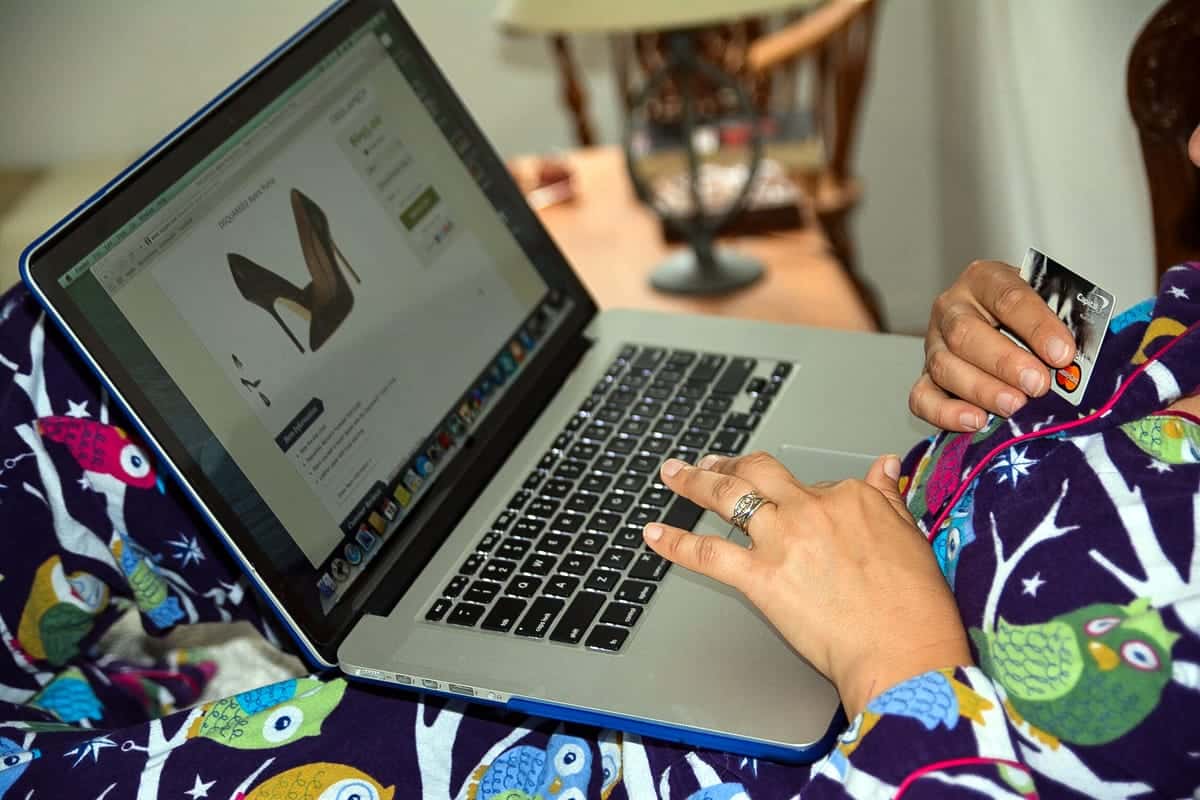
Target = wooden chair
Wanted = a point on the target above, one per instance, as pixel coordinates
(1164, 96)
(828, 47)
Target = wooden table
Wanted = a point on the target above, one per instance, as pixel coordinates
(614, 243)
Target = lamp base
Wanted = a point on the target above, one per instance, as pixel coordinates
(684, 272)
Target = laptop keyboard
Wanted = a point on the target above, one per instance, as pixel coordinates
(565, 561)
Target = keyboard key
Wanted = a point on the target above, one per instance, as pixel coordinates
(632, 482)
(602, 580)
(577, 564)
(680, 409)
(544, 507)
(465, 614)
(589, 543)
(570, 470)
(438, 609)
(695, 439)
(705, 422)
(562, 585)
(567, 523)
(579, 615)
(668, 427)
(597, 432)
(781, 371)
(523, 586)
(532, 482)
(504, 614)
(623, 614)
(717, 403)
(541, 614)
(519, 499)
(472, 564)
(611, 414)
(498, 569)
(770, 390)
(656, 497)
(607, 638)
(742, 422)
(649, 567)
(603, 522)
(633, 427)
(629, 536)
(504, 520)
(693, 391)
(575, 423)
(513, 549)
(482, 592)
(648, 408)
(617, 558)
(729, 441)
(557, 488)
(456, 585)
(688, 455)
(595, 484)
(634, 381)
(681, 358)
(682, 513)
(649, 358)
(624, 397)
(635, 592)
(583, 451)
(667, 375)
(555, 543)
(761, 405)
(561, 442)
(609, 465)
(734, 377)
(488, 542)
(621, 445)
(706, 369)
(582, 502)
(645, 464)
(627, 352)
(539, 564)
(658, 393)
(529, 528)
(756, 385)
(618, 503)
(641, 515)
(548, 460)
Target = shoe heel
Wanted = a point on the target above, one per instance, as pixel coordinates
(263, 288)
(345, 263)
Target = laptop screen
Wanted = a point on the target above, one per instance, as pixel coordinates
(327, 306)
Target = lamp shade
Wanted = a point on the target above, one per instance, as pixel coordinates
(580, 16)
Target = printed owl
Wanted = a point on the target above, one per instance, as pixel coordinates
(1086, 677)
(321, 781)
(69, 697)
(949, 544)
(59, 611)
(14, 760)
(150, 589)
(272, 716)
(561, 771)
(102, 449)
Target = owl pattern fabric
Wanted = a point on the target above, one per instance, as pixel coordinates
(1069, 538)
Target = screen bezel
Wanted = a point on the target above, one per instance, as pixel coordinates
(51, 256)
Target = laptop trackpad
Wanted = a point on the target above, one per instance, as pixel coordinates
(810, 465)
(813, 464)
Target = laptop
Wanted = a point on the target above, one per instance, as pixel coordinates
(332, 315)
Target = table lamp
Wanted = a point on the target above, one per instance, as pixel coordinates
(704, 268)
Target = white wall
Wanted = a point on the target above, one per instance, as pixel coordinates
(1037, 146)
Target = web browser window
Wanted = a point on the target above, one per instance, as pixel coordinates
(323, 289)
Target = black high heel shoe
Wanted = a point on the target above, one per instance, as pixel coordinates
(329, 292)
(263, 288)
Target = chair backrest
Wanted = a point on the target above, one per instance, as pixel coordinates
(1164, 96)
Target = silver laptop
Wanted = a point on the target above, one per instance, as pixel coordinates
(333, 316)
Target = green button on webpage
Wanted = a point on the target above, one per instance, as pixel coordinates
(417, 210)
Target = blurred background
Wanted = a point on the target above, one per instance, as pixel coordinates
(986, 126)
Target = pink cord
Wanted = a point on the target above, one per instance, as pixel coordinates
(1100, 412)
(973, 761)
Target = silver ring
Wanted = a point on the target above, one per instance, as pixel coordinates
(744, 509)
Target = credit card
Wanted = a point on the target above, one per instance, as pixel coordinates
(1083, 307)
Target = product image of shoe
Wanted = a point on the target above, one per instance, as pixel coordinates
(327, 299)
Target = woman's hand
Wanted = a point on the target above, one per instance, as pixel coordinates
(970, 367)
(840, 569)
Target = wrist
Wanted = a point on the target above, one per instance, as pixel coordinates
(874, 674)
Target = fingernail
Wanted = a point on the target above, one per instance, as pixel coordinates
(708, 461)
(891, 467)
(653, 532)
(1009, 403)
(672, 466)
(1057, 349)
(969, 421)
(1032, 380)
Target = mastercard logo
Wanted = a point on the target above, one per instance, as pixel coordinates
(1067, 378)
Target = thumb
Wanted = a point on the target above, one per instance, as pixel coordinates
(883, 476)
